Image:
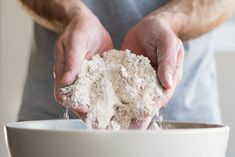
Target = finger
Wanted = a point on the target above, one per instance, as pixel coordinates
(107, 43)
(132, 43)
(81, 112)
(179, 66)
(167, 51)
(58, 68)
(76, 50)
(140, 124)
(103, 46)
(95, 125)
(177, 77)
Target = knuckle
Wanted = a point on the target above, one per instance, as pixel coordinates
(59, 45)
(58, 42)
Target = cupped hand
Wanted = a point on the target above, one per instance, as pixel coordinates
(156, 38)
(83, 37)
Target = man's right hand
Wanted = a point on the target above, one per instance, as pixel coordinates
(83, 37)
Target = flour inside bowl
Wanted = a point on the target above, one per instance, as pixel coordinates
(118, 87)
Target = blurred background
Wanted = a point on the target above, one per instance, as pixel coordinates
(15, 39)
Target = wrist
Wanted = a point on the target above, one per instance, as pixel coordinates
(176, 21)
(68, 10)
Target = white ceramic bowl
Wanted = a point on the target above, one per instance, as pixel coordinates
(69, 138)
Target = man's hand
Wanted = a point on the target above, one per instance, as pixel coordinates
(158, 37)
(155, 38)
(83, 37)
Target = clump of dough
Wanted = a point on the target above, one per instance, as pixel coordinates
(119, 86)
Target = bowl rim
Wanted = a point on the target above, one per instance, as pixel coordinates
(217, 127)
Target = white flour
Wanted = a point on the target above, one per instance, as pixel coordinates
(118, 86)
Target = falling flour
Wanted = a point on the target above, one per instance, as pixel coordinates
(118, 86)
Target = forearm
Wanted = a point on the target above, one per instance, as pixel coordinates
(53, 14)
(191, 18)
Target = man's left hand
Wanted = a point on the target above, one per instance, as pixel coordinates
(157, 39)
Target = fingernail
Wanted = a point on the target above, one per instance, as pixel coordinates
(67, 78)
(169, 78)
(83, 108)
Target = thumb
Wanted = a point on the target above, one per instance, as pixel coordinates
(74, 58)
(167, 59)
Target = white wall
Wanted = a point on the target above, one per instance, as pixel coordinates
(15, 35)
(15, 38)
(225, 65)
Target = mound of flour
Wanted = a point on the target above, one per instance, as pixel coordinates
(118, 86)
